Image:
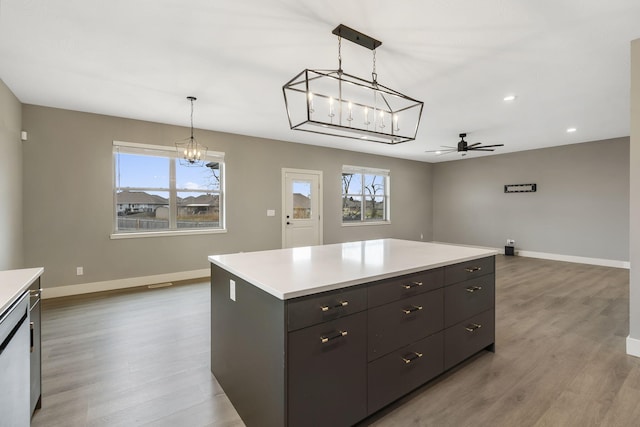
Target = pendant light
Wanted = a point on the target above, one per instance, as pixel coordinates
(332, 102)
(190, 153)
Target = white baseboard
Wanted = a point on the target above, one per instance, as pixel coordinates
(557, 257)
(633, 346)
(109, 285)
(577, 259)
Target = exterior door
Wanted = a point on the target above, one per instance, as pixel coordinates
(302, 207)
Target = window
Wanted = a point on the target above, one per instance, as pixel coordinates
(155, 195)
(365, 195)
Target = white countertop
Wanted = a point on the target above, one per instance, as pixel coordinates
(14, 282)
(290, 273)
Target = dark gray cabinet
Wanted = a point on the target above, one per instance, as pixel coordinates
(326, 376)
(403, 322)
(469, 315)
(403, 370)
(333, 358)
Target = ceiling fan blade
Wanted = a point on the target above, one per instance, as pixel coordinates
(481, 149)
(494, 145)
(474, 144)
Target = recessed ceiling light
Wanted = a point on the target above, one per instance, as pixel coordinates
(509, 98)
(571, 130)
(438, 152)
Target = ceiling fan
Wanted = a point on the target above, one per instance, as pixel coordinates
(463, 147)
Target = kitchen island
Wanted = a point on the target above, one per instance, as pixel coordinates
(328, 335)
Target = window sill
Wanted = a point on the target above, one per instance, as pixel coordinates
(173, 233)
(361, 223)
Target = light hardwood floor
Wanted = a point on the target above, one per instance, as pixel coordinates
(141, 357)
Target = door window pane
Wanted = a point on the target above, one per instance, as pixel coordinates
(301, 199)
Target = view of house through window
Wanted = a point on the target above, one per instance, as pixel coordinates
(365, 194)
(153, 192)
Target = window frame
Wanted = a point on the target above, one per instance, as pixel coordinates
(168, 152)
(362, 171)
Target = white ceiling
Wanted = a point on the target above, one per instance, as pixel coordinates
(566, 60)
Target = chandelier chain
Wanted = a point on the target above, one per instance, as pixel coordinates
(339, 54)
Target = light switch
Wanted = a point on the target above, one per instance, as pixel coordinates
(232, 290)
(271, 212)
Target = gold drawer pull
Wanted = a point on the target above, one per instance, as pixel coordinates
(410, 358)
(340, 334)
(472, 289)
(412, 285)
(412, 309)
(472, 269)
(472, 327)
(339, 305)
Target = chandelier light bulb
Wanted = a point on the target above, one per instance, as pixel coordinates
(310, 96)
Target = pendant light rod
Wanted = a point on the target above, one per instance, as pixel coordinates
(356, 37)
(191, 99)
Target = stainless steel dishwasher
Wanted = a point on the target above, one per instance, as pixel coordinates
(15, 343)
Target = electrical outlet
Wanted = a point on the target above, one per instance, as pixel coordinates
(421, 236)
(79, 271)
(511, 242)
(232, 290)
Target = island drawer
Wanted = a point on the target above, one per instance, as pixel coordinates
(397, 373)
(314, 309)
(468, 270)
(403, 322)
(465, 299)
(327, 373)
(389, 290)
(468, 337)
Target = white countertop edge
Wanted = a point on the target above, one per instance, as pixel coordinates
(14, 283)
(343, 284)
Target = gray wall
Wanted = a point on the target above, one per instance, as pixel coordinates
(581, 207)
(634, 249)
(68, 197)
(11, 250)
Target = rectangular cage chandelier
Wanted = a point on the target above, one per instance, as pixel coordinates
(332, 102)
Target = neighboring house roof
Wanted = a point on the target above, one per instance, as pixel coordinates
(202, 200)
(127, 197)
(140, 198)
(301, 201)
